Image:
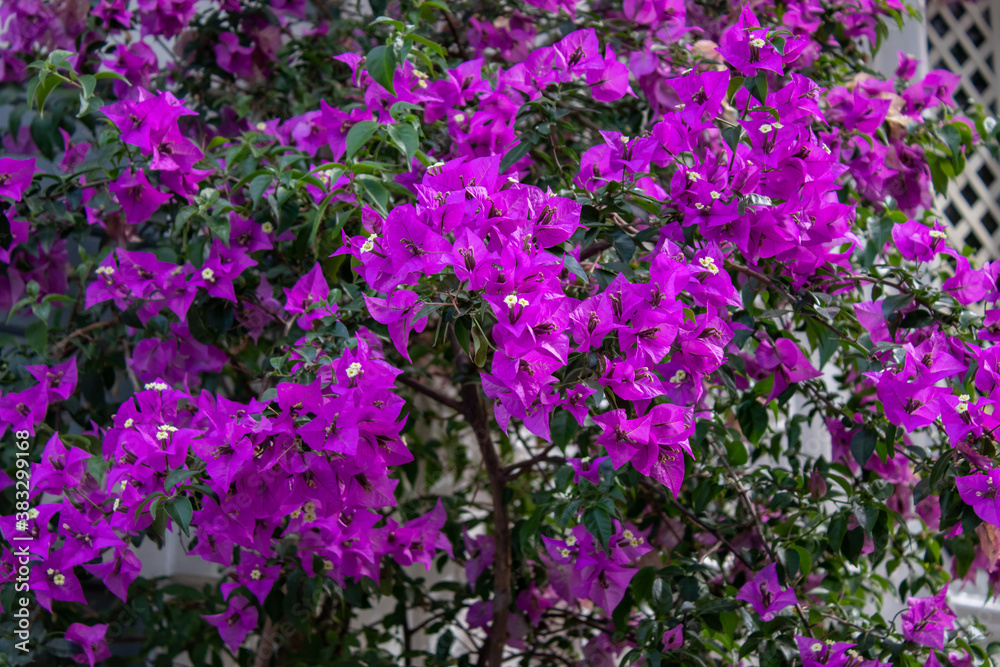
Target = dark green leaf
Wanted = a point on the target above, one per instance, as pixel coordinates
(359, 134)
(863, 445)
(752, 417)
(37, 335)
(598, 523)
(514, 155)
(381, 65)
(896, 302)
(407, 139)
(180, 510)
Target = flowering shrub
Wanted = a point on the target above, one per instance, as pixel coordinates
(559, 301)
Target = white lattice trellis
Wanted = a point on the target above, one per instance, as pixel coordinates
(964, 38)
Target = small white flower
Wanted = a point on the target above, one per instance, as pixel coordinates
(776, 125)
(118, 502)
(510, 300)
(261, 126)
(757, 43)
(267, 228)
(104, 270)
(208, 274)
(938, 234)
(58, 579)
(625, 139)
(369, 245)
(716, 194)
(33, 513)
(564, 553)
(679, 376)
(693, 176)
(255, 574)
(129, 422)
(571, 540)
(353, 370)
(522, 302)
(766, 128)
(708, 263)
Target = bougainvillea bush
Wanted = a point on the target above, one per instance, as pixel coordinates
(542, 333)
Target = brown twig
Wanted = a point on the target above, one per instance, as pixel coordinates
(474, 410)
(758, 524)
(694, 519)
(432, 393)
(82, 331)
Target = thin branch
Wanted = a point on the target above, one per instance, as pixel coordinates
(694, 519)
(128, 369)
(432, 393)
(758, 524)
(82, 331)
(491, 654)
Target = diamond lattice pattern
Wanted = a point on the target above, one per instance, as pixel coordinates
(962, 38)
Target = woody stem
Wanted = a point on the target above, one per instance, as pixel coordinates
(475, 413)
(752, 510)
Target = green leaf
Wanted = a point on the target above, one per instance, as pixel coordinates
(514, 155)
(443, 648)
(219, 226)
(642, 584)
(380, 63)
(37, 335)
(732, 134)
(574, 267)
(111, 75)
(480, 344)
(564, 427)
(624, 245)
(752, 417)
(598, 523)
(896, 302)
(863, 445)
(58, 57)
(433, 46)
(178, 475)
(735, 84)
(376, 192)
(736, 452)
(258, 185)
(407, 139)
(398, 25)
(757, 86)
(359, 134)
(180, 510)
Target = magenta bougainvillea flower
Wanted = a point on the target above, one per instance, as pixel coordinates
(624, 247)
(15, 177)
(765, 594)
(92, 640)
(235, 623)
(979, 491)
(927, 619)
